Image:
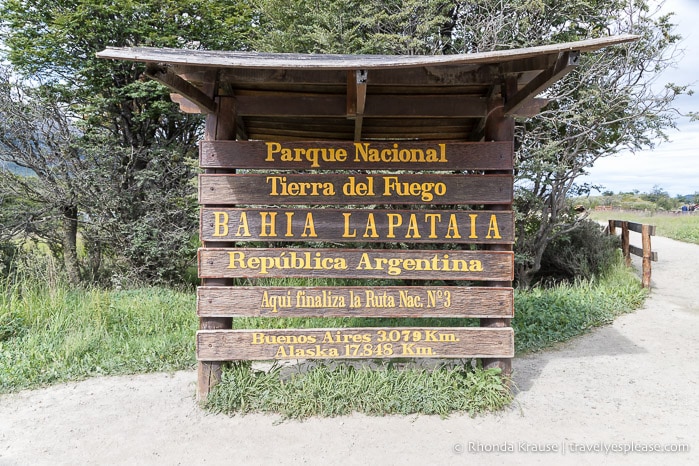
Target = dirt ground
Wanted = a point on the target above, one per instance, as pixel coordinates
(629, 386)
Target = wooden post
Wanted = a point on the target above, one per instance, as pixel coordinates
(219, 126)
(625, 243)
(500, 127)
(645, 238)
(612, 227)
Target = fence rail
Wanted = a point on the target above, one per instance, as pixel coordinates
(644, 252)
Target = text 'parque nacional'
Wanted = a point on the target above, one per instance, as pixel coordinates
(363, 152)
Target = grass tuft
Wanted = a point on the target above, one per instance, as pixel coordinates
(335, 391)
(60, 334)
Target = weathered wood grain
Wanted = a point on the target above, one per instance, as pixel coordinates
(355, 263)
(355, 343)
(325, 155)
(346, 189)
(357, 225)
(356, 301)
(633, 226)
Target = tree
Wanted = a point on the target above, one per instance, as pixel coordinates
(394, 27)
(139, 191)
(37, 136)
(610, 102)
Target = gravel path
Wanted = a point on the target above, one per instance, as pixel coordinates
(630, 385)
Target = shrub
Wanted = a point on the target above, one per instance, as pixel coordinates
(581, 254)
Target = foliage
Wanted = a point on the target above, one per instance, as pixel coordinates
(335, 391)
(582, 254)
(129, 142)
(37, 135)
(608, 103)
(50, 332)
(393, 27)
(544, 316)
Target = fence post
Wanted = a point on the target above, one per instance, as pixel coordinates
(625, 242)
(645, 238)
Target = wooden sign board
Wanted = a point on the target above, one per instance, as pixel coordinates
(355, 343)
(355, 225)
(342, 155)
(381, 301)
(355, 263)
(350, 189)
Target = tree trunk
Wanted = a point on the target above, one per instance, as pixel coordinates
(70, 243)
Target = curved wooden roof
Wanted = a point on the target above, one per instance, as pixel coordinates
(361, 97)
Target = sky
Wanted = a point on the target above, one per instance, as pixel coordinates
(673, 165)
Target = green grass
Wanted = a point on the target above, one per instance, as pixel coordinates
(680, 227)
(56, 335)
(51, 334)
(545, 316)
(328, 391)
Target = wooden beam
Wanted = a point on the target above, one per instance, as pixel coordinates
(165, 76)
(360, 85)
(565, 63)
(396, 106)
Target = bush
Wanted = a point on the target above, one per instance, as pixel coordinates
(581, 254)
(8, 251)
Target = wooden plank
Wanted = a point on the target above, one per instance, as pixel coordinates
(636, 251)
(168, 78)
(451, 76)
(565, 63)
(345, 189)
(392, 106)
(342, 155)
(358, 301)
(355, 263)
(219, 125)
(632, 226)
(625, 245)
(344, 62)
(355, 343)
(357, 225)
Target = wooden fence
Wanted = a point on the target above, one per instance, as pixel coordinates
(644, 252)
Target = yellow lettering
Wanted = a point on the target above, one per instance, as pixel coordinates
(432, 218)
(453, 229)
(272, 148)
(268, 227)
(394, 220)
(309, 229)
(473, 234)
(220, 224)
(289, 218)
(370, 226)
(493, 228)
(243, 229)
(347, 233)
(413, 231)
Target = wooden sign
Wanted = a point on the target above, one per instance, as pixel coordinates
(409, 226)
(342, 155)
(380, 301)
(356, 263)
(355, 343)
(324, 189)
